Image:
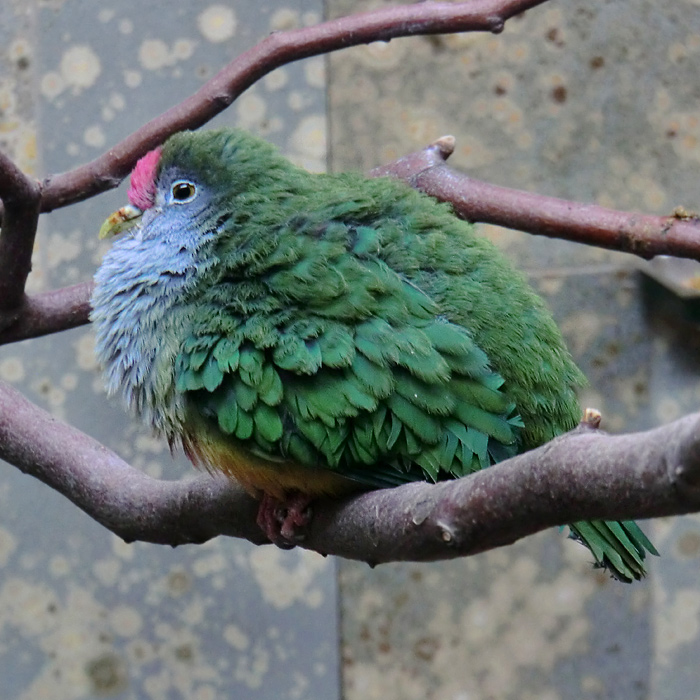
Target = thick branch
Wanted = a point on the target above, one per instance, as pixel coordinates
(582, 475)
(629, 232)
(20, 195)
(121, 498)
(276, 50)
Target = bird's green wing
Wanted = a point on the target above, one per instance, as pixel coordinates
(378, 402)
(326, 356)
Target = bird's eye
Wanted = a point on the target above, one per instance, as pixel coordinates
(183, 191)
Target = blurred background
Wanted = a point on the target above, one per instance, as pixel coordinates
(590, 102)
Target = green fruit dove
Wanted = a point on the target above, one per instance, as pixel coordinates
(311, 334)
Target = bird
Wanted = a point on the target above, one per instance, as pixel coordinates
(309, 335)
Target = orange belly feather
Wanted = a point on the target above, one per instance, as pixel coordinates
(258, 475)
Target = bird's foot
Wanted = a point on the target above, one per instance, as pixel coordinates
(284, 521)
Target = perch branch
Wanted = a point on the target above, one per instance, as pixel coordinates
(123, 499)
(584, 474)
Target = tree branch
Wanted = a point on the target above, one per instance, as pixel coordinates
(585, 474)
(46, 313)
(20, 195)
(25, 317)
(107, 171)
(123, 499)
(640, 234)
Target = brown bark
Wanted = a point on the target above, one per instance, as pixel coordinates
(585, 474)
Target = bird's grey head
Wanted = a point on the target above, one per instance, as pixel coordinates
(188, 201)
(140, 301)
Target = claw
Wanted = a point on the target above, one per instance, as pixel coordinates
(284, 521)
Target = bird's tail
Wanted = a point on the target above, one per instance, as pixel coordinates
(618, 546)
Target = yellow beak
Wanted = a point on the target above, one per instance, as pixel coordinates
(122, 220)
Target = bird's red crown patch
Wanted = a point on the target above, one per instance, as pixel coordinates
(142, 192)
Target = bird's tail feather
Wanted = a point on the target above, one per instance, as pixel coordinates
(618, 546)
